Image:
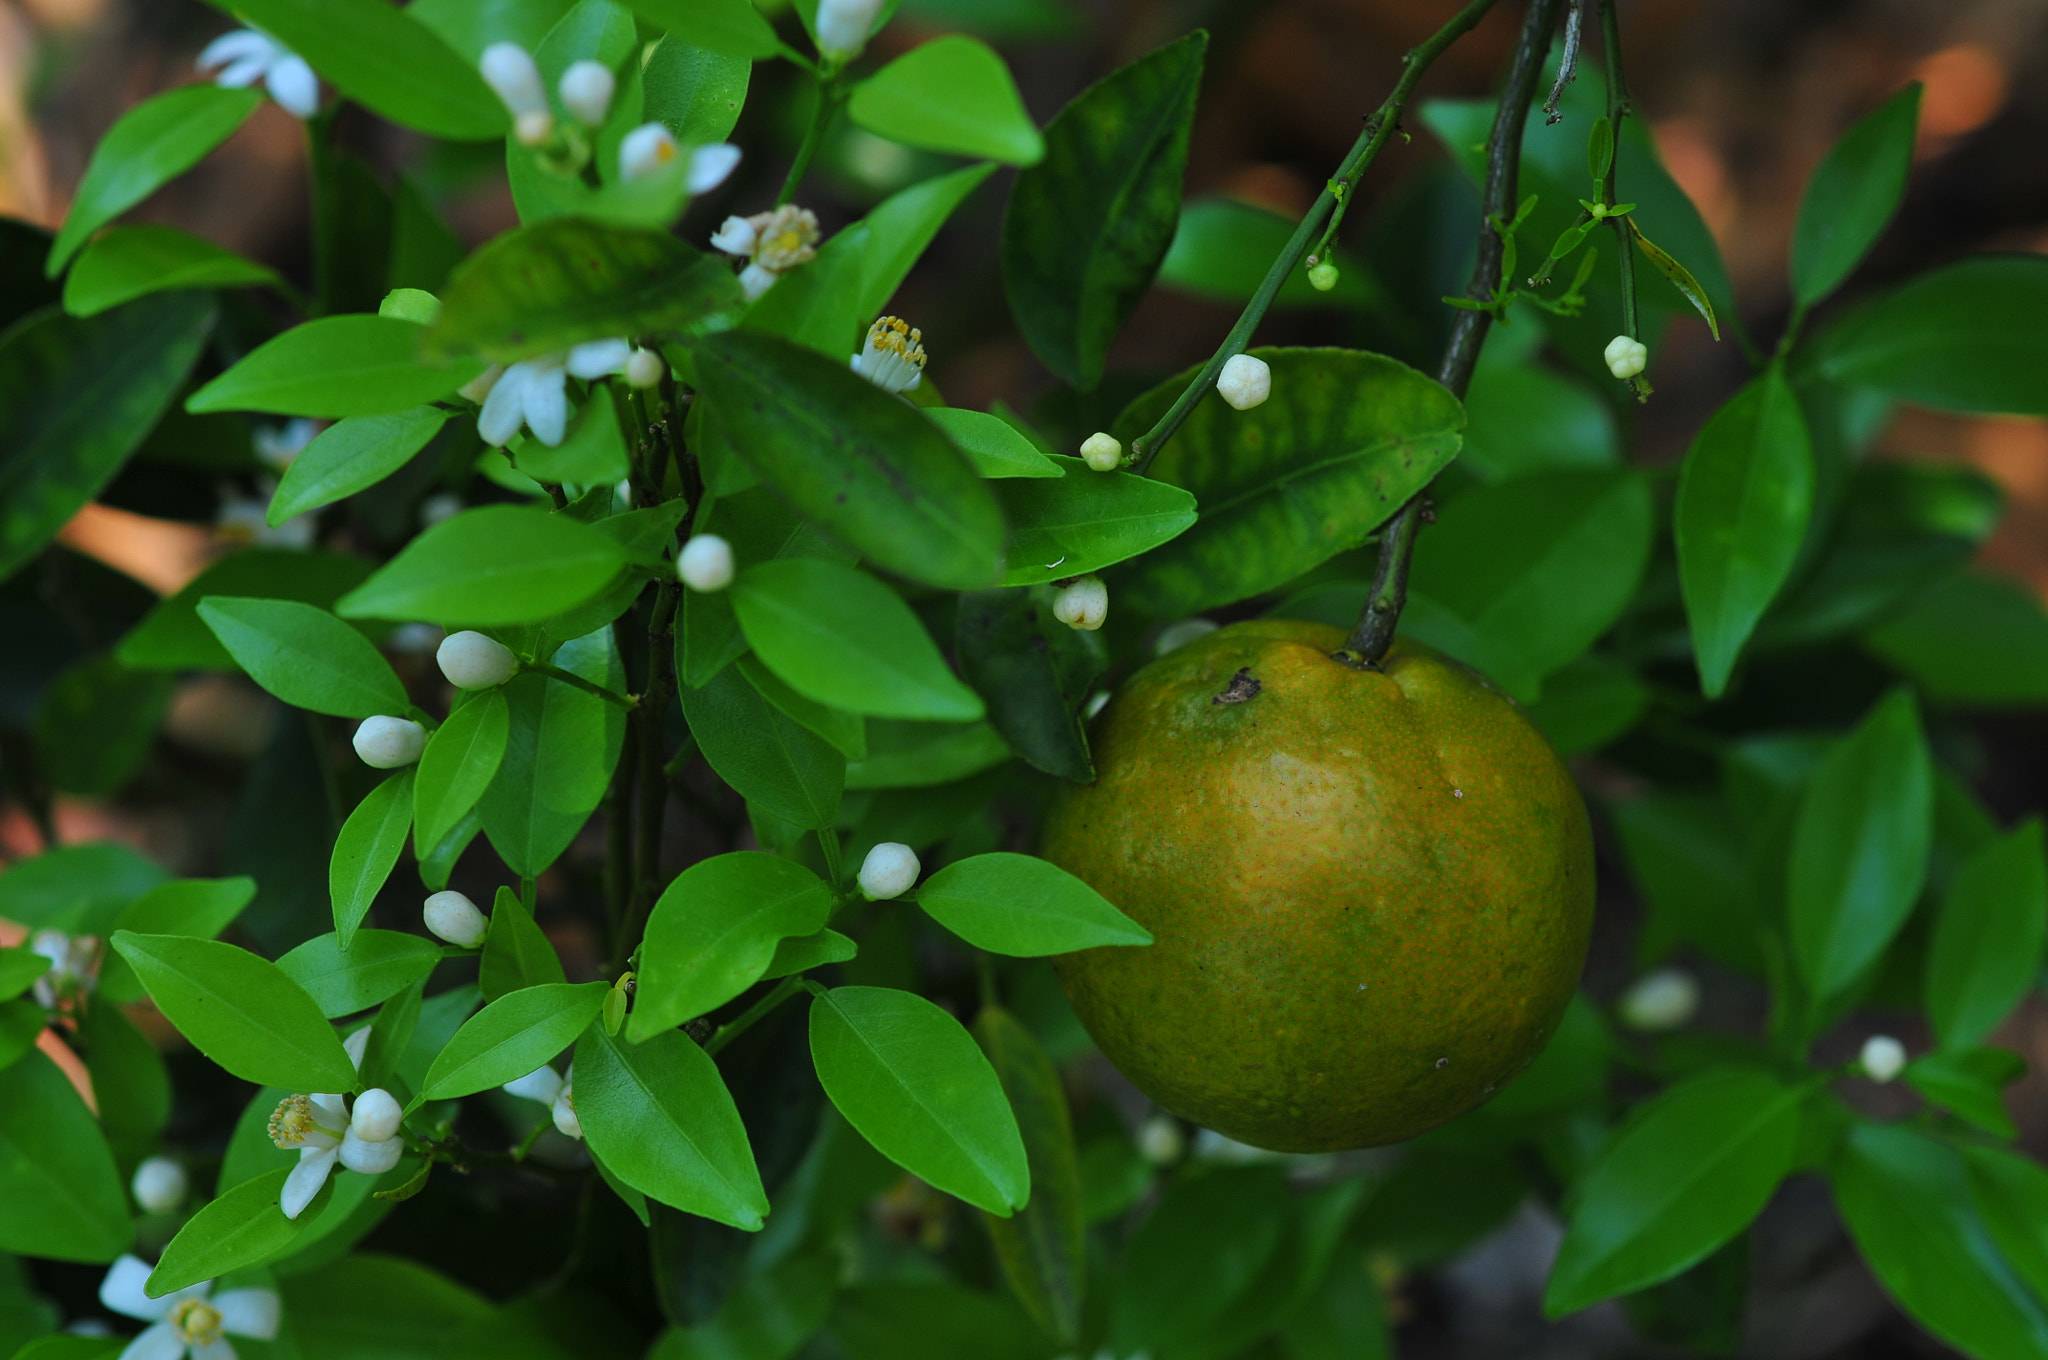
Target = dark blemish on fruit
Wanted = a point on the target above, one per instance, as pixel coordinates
(1241, 688)
(1442, 1063)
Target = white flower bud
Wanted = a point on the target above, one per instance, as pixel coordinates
(705, 564)
(843, 26)
(1160, 1140)
(1626, 357)
(645, 368)
(442, 505)
(1102, 452)
(1323, 277)
(1082, 604)
(534, 129)
(510, 71)
(1175, 636)
(1659, 1001)
(472, 661)
(455, 919)
(1245, 382)
(563, 1108)
(388, 743)
(646, 149)
(1883, 1057)
(377, 1115)
(586, 91)
(888, 871)
(159, 1185)
(370, 1158)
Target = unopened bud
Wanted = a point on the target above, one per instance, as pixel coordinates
(1082, 604)
(705, 564)
(534, 129)
(1626, 357)
(1883, 1057)
(454, 918)
(1160, 1140)
(888, 871)
(1102, 452)
(1323, 277)
(1245, 381)
(388, 743)
(376, 1116)
(586, 91)
(645, 368)
(1658, 1001)
(159, 1185)
(472, 661)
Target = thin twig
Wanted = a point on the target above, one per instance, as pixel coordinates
(1618, 109)
(754, 1014)
(1568, 64)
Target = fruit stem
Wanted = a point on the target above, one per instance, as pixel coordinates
(1369, 641)
(1384, 122)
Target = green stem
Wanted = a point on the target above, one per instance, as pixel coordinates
(588, 687)
(654, 783)
(1624, 227)
(754, 1014)
(829, 100)
(1369, 641)
(1378, 129)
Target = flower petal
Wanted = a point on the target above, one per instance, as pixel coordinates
(159, 1342)
(294, 86)
(243, 73)
(122, 1291)
(371, 1159)
(356, 1045)
(218, 1349)
(306, 1179)
(547, 405)
(542, 1084)
(248, 1312)
(505, 408)
(236, 45)
(709, 165)
(599, 358)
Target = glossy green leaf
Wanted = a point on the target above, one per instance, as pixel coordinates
(501, 564)
(22, 1022)
(2010, 1192)
(800, 954)
(906, 755)
(1591, 702)
(367, 850)
(952, 94)
(902, 225)
(131, 262)
(1033, 673)
(1859, 846)
(840, 637)
(376, 966)
(64, 1198)
(761, 528)
(715, 930)
(817, 306)
(847, 733)
(1906, 1202)
(245, 1227)
(733, 27)
(1852, 196)
(1088, 225)
(910, 1079)
(661, 1118)
(130, 1083)
(1967, 337)
(1086, 521)
(517, 953)
(336, 366)
(1681, 278)
(1043, 1246)
(1975, 639)
(1024, 906)
(561, 282)
(1988, 938)
(305, 656)
(514, 1035)
(861, 463)
(1202, 1251)
(693, 90)
(767, 757)
(993, 446)
(1524, 418)
(461, 758)
(350, 456)
(1224, 246)
(19, 968)
(383, 59)
(76, 398)
(173, 638)
(80, 889)
(1969, 1083)
(1345, 440)
(1689, 1171)
(240, 1010)
(152, 144)
(560, 750)
(1744, 498)
(96, 723)
(592, 453)
(201, 907)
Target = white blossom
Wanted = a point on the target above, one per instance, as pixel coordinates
(892, 356)
(388, 743)
(74, 965)
(510, 71)
(586, 91)
(278, 446)
(454, 918)
(190, 1321)
(246, 56)
(1082, 604)
(244, 522)
(1160, 1140)
(710, 166)
(1663, 1000)
(1883, 1057)
(735, 236)
(554, 1090)
(1626, 357)
(533, 392)
(705, 564)
(772, 243)
(755, 280)
(1245, 382)
(888, 871)
(843, 26)
(651, 147)
(323, 1131)
(472, 661)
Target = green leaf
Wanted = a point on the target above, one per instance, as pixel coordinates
(245, 1227)
(173, 638)
(1024, 906)
(305, 656)
(355, 365)
(64, 1198)
(771, 1312)
(1086, 521)
(1043, 1246)
(201, 907)
(661, 1118)
(847, 733)
(863, 464)
(2010, 1192)
(152, 144)
(840, 637)
(418, 1315)
(516, 953)
(952, 94)
(350, 456)
(910, 1079)
(1852, 196)
(512, 1036)
(386, 61)
(994, 447)
(1033, 673)
(693, 90)
(1964, 338)
(767, 757)
(367, 850)
(902, 225)
(21, 1026)
(815, 306)
(501, 564)
(130, 1083)
(461, 758)
(19, 968)
(904, 755)
(714, 932)
(1907, 1204)
(1969, 1083)
(803, 953)
(761, 528)
(1988, 938)
(1591, 702)
(1202, 1251)
(376, 966)
(1223, 247)
(1681, 278)
(79, 889)
(1975, 639)
(1744, 498)
(240, 1010)
(1688, 1172)
(592, 454)
(560, 750)
(733, 27)
(1859, 846)
(95, 724)
(1088, 225)
(566, 280)
(76, 398)
(931, 1319)
(1346, 439)
(131, 262)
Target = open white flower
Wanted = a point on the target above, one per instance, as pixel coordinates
(244, 522)
(651, 147)
(189, 1321)
(554, 1090)
(892, 356)
(246, 56)
(772, 243)
(277, 446)
(531, 393)
(321, 1128)
(74, 965)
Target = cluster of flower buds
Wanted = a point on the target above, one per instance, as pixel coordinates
(772, 244)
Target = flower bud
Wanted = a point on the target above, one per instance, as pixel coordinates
(735, 236)
(705, 563)
(563, 1109)
(370, 1158)
(646, 149)
(1160, 1140)
(388, 743)
(586, 92)
(1626, 357)
(455, 919)
(843, 26)
(1097, 701)
(1102, 452)
(888, 871)
(710, 165)
(1883, 1057)
(377, 1114)
(534, 129)
(1082, 603)
(1245, 382)
(159, 1185)
(1323, 277)
(472, 661)
(645, 368)
(1659, 1001)
(510, 71)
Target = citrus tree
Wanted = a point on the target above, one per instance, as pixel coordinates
(634, 937)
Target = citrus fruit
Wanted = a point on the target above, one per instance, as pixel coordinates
(1370, 890)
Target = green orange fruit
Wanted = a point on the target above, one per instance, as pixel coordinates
(1370, 890)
